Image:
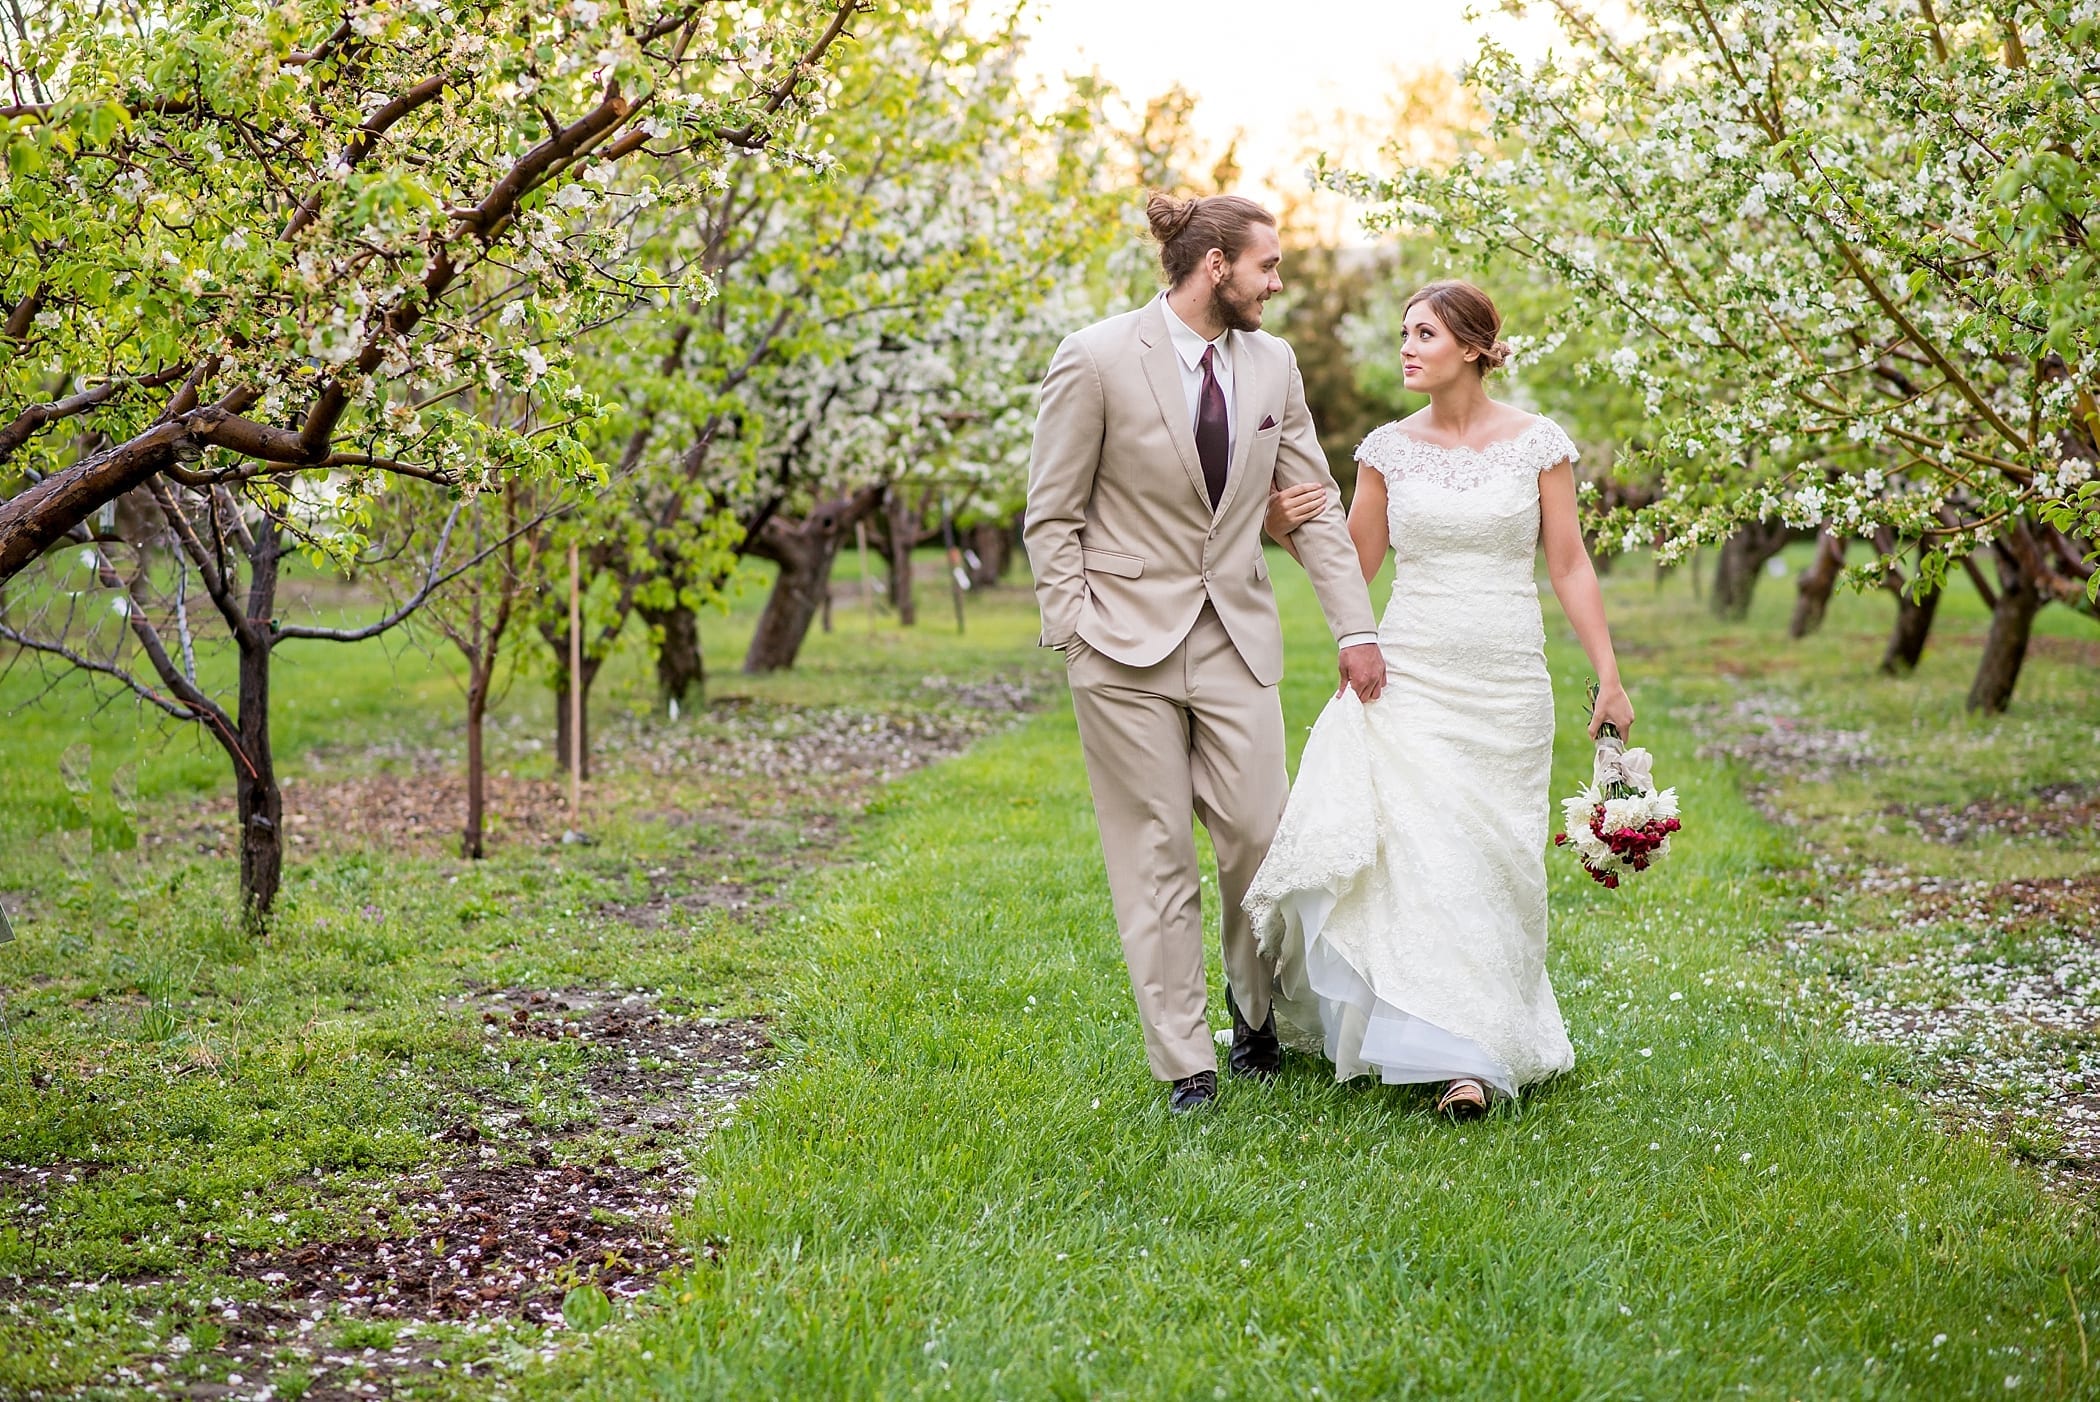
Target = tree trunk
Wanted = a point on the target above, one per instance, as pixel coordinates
(478, 679)
(903, 535)
(1743, 557)
(1812, 597)
(804, 550)
(1913, 615)
(1913, 626)
(2012, 621)
(258, 800)
(681, 667)
(993, 544)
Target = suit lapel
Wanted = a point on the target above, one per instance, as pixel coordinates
(1246, 413)
(1163, 373)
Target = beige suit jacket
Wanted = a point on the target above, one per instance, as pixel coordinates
(1120, 530)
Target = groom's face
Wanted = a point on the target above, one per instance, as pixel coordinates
(1249, 280)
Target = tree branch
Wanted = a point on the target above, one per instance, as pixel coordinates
(361, 145)
(37, 417)
(88, 664)
(433, 581)
(216, 586)
(501, 201)
(321, 50)
(24, 314)
(162, 107)
(395, 466)
(748, 135)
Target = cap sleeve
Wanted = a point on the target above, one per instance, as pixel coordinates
(1554, 445)
(1381, 450)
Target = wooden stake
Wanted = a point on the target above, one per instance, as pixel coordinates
(867, 580)
(575, 691)
(958, 577)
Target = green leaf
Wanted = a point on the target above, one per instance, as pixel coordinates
(25, 157)
(586, 1308)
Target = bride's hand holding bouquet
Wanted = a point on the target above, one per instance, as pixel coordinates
(1618, 822)
(1611, 709)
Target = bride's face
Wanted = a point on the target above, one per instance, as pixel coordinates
(1432, 359)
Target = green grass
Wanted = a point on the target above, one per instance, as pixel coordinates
(961, 1178)
(211, 1091)
(965, 1181)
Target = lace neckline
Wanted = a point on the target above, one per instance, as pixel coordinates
(1491, 448)
(1402, 456)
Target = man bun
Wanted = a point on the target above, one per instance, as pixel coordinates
(1167, 215)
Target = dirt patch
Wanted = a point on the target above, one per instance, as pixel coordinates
(797, 755)
(506, 1238)
(419, 810)
(513, 1223)
(737, 757)
(511, 1230)
(2053, 813)
(2041, 905)
(670, 1071)
(693, 881)
(2003, 1018)
(1765, 732)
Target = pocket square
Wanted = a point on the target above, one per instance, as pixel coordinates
(1268, 421)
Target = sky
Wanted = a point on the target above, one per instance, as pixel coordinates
(1275, 72)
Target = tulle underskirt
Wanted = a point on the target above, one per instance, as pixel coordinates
(1360, 1032)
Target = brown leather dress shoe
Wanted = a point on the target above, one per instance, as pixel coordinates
(1193, 1092)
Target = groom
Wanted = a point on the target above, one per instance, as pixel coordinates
(1159, 435)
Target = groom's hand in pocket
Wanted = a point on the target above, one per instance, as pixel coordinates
(1363, 671)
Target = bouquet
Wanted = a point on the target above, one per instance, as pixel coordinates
(1618, 822)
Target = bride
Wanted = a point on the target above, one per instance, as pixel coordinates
(1404, 897)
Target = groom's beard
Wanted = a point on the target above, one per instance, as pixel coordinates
(1235, 312)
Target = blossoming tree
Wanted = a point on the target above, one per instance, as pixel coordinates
(257, 257)
(862, 326)
(1843, 252)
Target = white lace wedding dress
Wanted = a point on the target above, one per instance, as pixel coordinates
(1404, 897)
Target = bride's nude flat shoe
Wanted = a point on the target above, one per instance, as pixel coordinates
(1464, 1099)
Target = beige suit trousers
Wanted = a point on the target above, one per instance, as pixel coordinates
(1193, 735)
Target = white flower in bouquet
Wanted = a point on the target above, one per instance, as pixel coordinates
(1619, 822)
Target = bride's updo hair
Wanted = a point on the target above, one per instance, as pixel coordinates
(1470, 315)
(1188, 229)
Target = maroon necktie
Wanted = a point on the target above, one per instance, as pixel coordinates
(1213, 437)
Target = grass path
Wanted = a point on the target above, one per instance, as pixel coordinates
(962, 1179)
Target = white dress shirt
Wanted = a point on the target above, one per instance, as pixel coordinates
(1188, 351)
